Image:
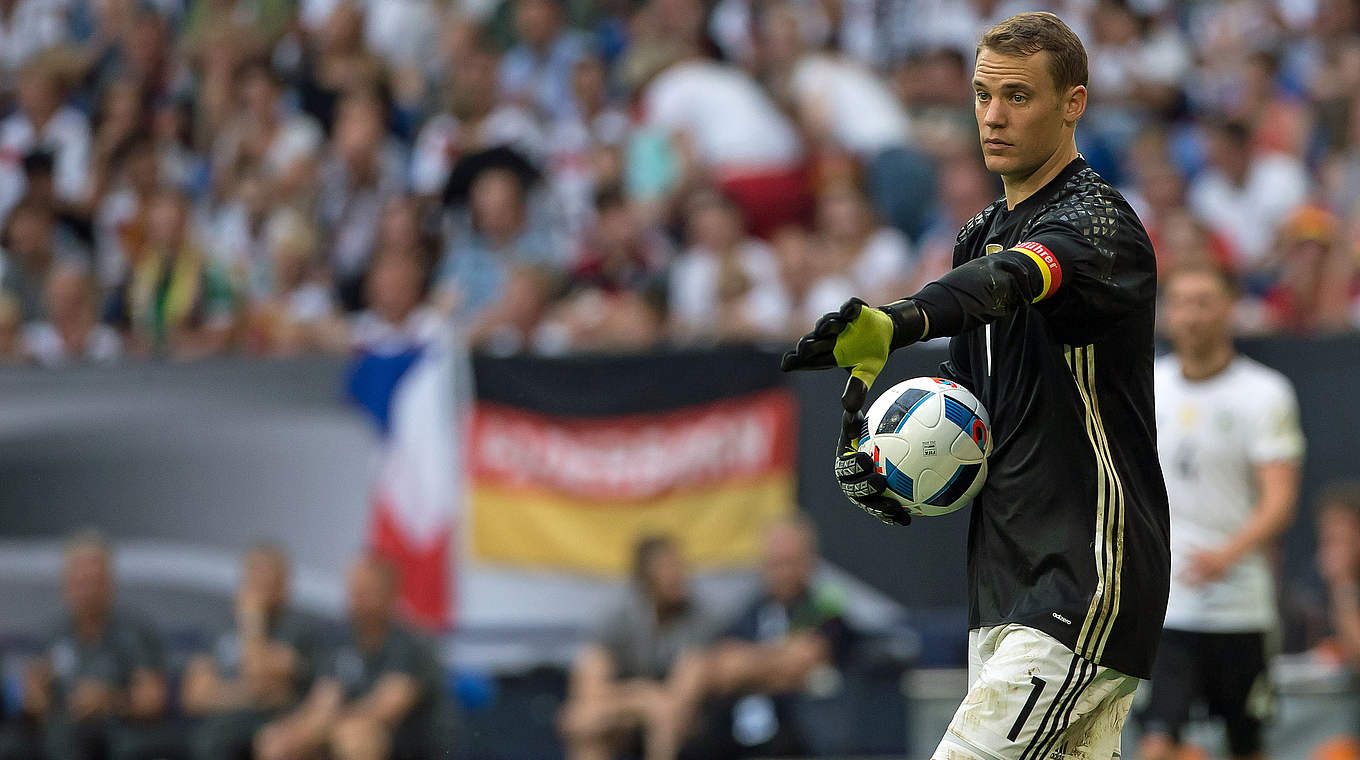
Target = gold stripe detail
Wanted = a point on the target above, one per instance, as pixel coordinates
(1104, 607)
(1118, 538)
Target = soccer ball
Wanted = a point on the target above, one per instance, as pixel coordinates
(930, 437)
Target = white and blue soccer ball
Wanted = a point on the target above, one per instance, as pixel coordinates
(930, 437)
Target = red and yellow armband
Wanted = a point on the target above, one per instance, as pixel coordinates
(1048, 267)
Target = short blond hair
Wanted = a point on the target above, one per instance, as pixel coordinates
(1025, 34)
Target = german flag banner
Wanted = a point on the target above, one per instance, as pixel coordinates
(570, 462)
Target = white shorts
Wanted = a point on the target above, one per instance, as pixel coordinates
(1031, 698)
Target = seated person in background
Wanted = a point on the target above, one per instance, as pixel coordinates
(645, 670)
(99, 691)
(259, 667)
(379, 695)
(791, 631)
(71, 334)
(1338, 559)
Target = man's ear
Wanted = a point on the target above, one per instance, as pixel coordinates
(1075, 104)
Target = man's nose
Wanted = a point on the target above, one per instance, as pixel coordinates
(995, 116)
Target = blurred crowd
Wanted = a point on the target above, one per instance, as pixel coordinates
(182, 178)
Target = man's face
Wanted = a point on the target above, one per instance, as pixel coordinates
(266, 575)
(787, 566)
(370, 592)
(1021, 115)
(87, 581)
(668, 576)
(1198, 312)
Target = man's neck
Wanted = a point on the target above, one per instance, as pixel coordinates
(1203, 365)
(1020, 188)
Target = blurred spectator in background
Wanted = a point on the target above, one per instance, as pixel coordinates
(1338, 562)
(614, 288)
(635, 688)
(258, 668)
(44, 121)
(27, 27)
(725, 130)
(503, 249)
(120, 221)
(378, 695)
(337, 63)
(1243, 195)
(1314, 288)
(71, 333)
(812, 283)
(362, 170)
(472, 120)
(795, 628)
(586, 144)
(537, 71)
(844, 107)
(261, 134)
(877, 259)
(399, 319)
(291, 309)
(174, 302)
(30, 248)
(99, 690)
(725, 284)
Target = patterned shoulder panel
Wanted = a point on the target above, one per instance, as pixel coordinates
(1096, 210)
(979, 219)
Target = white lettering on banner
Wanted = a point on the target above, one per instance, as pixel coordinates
(633, 457)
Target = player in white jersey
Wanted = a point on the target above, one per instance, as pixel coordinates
(1230, 445)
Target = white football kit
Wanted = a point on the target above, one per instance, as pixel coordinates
(1049, 701)
(1211, 434)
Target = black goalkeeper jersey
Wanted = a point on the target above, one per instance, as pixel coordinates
(1054, 334)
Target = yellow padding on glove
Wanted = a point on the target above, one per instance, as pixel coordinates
(863, 345)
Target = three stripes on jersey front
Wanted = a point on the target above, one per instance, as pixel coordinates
(1109, 543)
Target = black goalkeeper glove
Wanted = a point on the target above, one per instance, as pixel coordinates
(860, 480)
(857, 338)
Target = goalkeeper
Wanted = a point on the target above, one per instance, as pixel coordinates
(1049, 310)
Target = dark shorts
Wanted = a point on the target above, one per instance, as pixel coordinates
(1225, 672)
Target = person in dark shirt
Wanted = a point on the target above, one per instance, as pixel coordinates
(637, 685)
(1050, 311)
(258, 668)
(793, 629)
(99, 690)
(378, 695)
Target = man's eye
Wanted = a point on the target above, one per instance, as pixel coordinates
(1018, 98)
(982, 96)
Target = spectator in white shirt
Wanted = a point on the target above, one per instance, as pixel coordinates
(27, 27)
(282, 145)
(594, 126)
(811, 282)
(472, 120)
(876, 258)
(1244, 197)
(725, 284)
(398, 318)
(70, 334)
(363, 169)
(43, 121)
